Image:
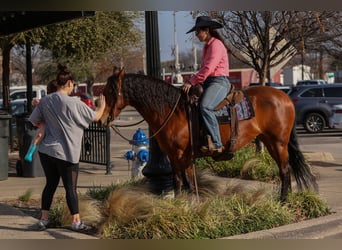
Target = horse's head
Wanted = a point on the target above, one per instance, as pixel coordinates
(114, 98)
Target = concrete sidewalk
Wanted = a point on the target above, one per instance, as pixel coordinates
(15, 224)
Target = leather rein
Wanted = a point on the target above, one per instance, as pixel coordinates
(116, 130)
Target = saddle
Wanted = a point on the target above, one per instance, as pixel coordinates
(234, 96)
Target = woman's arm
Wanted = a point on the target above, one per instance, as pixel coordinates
(100, 108)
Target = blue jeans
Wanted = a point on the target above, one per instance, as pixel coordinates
(215, 89)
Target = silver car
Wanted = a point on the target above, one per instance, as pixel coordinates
(335, 121)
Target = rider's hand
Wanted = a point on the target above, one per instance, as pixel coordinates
(186, 87)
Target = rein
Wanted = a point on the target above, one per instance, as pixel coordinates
(116, 130)
(129, 125)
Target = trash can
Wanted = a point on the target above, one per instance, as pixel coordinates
(26, 133)
(4, 134)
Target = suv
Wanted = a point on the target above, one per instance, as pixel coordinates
(285, 89)
(313, 104)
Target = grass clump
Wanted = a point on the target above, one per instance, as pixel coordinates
(307, 205)
(246, 164)
(26, 196)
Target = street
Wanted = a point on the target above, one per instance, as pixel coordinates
(330, 140)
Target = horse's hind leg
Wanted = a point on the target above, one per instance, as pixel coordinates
(278, 151)
(285, 178)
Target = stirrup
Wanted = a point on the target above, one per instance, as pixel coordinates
(206, 149)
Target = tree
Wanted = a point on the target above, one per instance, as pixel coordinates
(84, 43)
(328, 43)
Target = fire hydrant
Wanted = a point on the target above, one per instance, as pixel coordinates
(139, 154)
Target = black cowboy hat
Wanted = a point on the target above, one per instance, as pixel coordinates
(205, 21)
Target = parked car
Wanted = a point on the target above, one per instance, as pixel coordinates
(313, 104)
(38, 91)
(335, 121)
(18, 107)
(19, 93)
(311, 82)
(285, 89)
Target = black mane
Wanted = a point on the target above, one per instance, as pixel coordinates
(150, 92)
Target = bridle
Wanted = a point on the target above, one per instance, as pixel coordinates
(115, 127)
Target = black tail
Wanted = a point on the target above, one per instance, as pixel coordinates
(300, 168)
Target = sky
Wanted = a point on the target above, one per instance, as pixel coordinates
(184, 22)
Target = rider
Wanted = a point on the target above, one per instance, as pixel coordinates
(213, 75)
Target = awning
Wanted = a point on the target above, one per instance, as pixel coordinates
(18, 21)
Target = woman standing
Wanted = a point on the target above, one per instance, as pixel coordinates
(213, 74)
(65, 119)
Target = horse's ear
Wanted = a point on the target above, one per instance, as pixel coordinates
(121, 73)
(120, 80)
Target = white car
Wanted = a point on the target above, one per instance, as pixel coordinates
(38, 91)
(335, 121)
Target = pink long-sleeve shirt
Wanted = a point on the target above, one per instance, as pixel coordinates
(214, 62)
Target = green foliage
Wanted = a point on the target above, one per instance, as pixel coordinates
(88, 38)
(91, 46)
(307, 204)
(26, 196)
(246, 164)
(56, 211)
(182, 218)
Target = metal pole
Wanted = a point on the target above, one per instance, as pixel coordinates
(28, 77)
(158, 170)
(176, 44)
(108, 165)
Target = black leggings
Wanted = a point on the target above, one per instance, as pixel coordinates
(54, 169)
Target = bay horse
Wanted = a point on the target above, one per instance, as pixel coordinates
(164, 108)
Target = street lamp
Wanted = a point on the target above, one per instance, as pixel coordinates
(158, 169)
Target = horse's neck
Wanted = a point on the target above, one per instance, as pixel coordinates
(150, 115)
(152, 109)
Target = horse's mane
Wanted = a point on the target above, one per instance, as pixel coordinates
(150, 92)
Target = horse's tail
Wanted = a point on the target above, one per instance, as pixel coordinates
(300, 168)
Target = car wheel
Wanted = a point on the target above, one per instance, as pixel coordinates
(314, 123)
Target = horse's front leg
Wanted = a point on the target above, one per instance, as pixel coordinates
(190, 177)
(177, 182)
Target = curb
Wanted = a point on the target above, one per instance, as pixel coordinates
(326, 227)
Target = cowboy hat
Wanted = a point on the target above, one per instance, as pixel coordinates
(205, 21)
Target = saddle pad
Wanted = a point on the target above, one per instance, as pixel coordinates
(244, 111)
